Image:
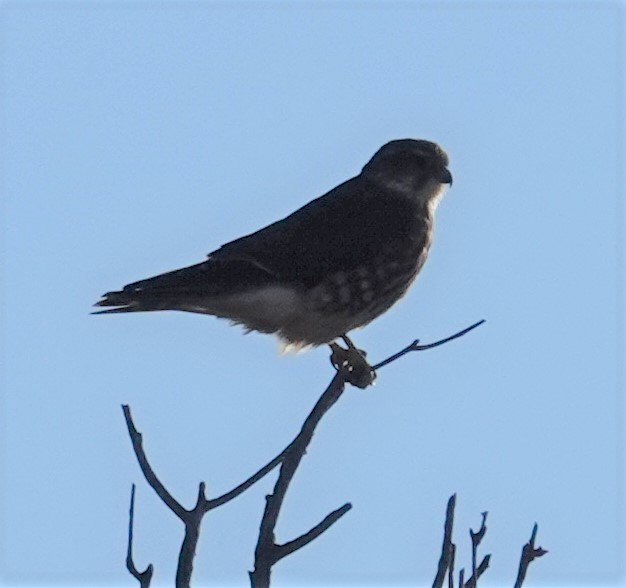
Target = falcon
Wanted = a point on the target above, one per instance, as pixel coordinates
(332, 266)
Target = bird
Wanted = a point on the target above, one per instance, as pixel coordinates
(330, 267)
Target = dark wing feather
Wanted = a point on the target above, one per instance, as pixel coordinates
(339, 231)
(179, 288)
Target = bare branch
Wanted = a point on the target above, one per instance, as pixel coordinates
(144, 577)
(480, 570)
(267, 552)
(253, 479)
(447, 547)
(451, 566)
(148, 472)
(448, 553)
(477, 536)
(191, 518)
(188, 549)
(529, 553)
(476, 539)
(291, 546)
(416, 347)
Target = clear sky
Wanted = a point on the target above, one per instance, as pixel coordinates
(138, 136)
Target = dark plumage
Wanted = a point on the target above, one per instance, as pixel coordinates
(332, 266)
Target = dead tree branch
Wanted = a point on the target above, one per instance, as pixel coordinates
(448, 552)
(191, 518)
(448, 547)
(529, 553)
(476, 538)
(136, 439)
(480, 570)
(267, 551)
(144, 577)
(415, 346)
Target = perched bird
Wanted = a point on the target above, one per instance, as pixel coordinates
(332, 266)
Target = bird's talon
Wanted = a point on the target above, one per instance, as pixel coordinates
(354, 365)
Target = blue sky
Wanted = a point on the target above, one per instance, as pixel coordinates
(137, 137)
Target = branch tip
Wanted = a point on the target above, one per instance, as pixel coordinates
(144, 578)
(306, 538)
(416, 347)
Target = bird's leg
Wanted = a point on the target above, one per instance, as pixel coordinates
(358, 372)
(351, 345)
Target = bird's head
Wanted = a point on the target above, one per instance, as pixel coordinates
(417, 168)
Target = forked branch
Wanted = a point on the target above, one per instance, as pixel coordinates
(267, 552)
(191, 518)
(529, 553)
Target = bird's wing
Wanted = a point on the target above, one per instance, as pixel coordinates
(340, 231)
(336, 232)
(187, 286)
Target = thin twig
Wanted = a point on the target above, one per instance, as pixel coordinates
(416, 347)
(266, 469)
(286, 548)
(447, 547)
(144, 577)
(137, 441)
(529, 553)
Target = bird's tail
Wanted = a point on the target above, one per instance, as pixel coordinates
(120, 299)
(190, 288)
(157, 293)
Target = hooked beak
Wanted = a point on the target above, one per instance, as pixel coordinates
(445, 177)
